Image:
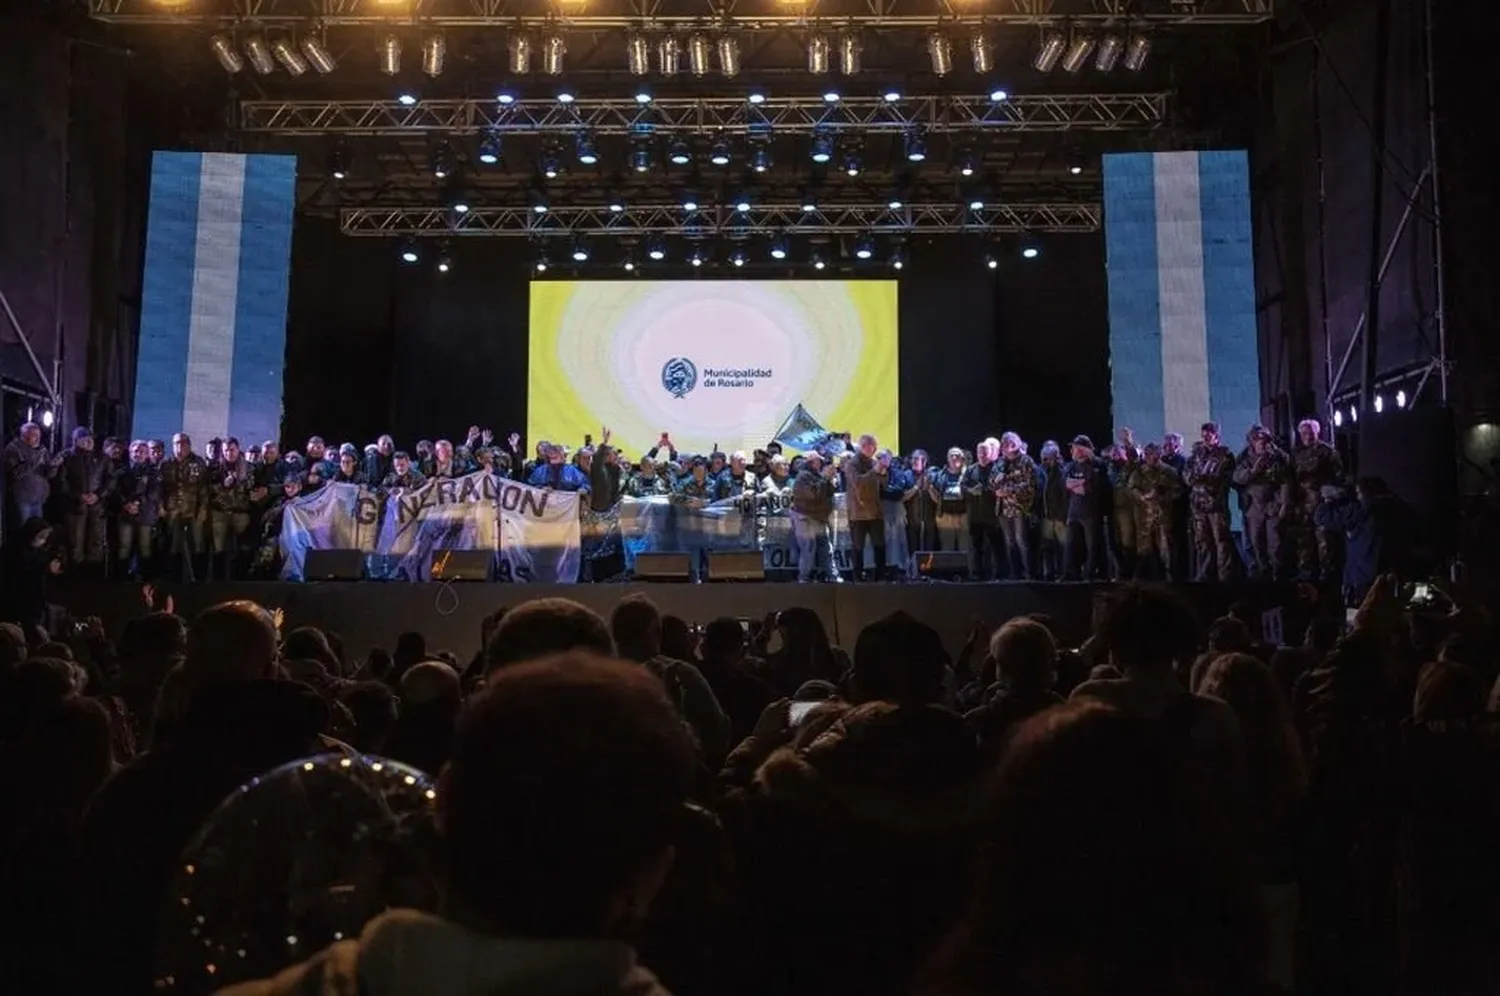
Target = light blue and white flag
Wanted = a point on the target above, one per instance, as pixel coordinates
(1182, 324)
(213, 311)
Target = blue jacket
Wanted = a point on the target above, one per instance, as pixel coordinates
(1378, 534)
(559, 477)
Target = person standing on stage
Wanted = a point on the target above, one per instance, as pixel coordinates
(403, 476)
(28, 474)
(695, 490)
(1209, 472)
(184, 480)
(1154, 487)
(229, 483)
(646, 482)
(85, 482)
(1315, 466)
(1052, 508)
(1086, 480)
(953, 507)
(865, 472)
(557, 474)
(379, 463)
(138, 489)
(922, 499)
(986, 542)
(738, 483)
(1265, 479)
(812, 512)
(1015, 490)
(1124, 513)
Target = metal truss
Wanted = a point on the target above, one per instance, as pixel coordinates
(766, 219)
(601, 14)
(1095, 112)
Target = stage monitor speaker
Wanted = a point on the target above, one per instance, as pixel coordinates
(461, 565)
(736, 565)
(942, 565)
(662, 566)
(333, 565)
(1415, 451)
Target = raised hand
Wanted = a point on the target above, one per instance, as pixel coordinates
(514, 439)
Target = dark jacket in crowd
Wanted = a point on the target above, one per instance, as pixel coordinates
(140, 484)
(945, 481)
(84, 472)
(1378, 536)
(28, 473)
(863, 480)
(377, 465)
(1052, 495)
(812, 495)
(979, 494)
(604, 482)
(1093, 502)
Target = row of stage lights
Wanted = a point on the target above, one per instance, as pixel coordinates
(1338, 413)
(778, 249)
(1073, 52)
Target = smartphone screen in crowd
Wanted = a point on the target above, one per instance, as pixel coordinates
(797, 712)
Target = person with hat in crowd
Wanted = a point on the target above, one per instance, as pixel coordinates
(1208, 474)
(1086, 480)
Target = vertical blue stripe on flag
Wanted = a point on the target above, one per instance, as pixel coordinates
(1134, 304)
(166, 294)
(260, 315)
(1229, 291)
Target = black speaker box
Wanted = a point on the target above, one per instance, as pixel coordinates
(662, 566)
(333, 565)
(942, 565)
(1415, 451)
(736, 565)
(461, 565)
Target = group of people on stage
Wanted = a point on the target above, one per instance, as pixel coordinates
(1155, 511)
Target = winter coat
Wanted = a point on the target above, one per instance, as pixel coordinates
(28, 472)
(863, 481)
(140, 484)
(812, 496)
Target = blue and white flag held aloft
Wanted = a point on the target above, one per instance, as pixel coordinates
(213, 309)
(1182, 323)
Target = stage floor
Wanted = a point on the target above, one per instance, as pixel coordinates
(369, 614)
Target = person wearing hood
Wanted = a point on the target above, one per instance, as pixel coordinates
(86, 483)
(542, 899)
(28, 474)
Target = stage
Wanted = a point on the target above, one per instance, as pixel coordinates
(370, 614)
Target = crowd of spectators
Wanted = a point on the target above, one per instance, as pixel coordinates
(641, 805)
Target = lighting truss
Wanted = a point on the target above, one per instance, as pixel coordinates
(608, 14)
(1050, 112)
(763, 219)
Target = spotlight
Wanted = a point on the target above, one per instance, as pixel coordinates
(642, 94)
(895, 203)
(968, 163)
(830, 96)
(760, 158)
(850, 50)
(1137, 51)
(689, 202)
(444, 264)
(47, 418)
(982, 51)
(1075, 169)
(697, 47)
(291, 60)
(519, 52)
(940, 51)
(1050, 50)
(637, 55)
(629, 265)
(976, 204)
(223, 50)
(588, 153)
(566, 96)
(817, 55)
(729, 56)
(538, 202)
(489, 148)
(1077, 53)
(551, 165)
(667, 55)
(459, 203)
(505, 97)
(737, 257)
(852, 163)
(434, 54)
(817, 260)
(1353, 414)
(409, 252)
(338, 161)
(864, 248)
(990, 261)
(541, 261)
(916, 147)
(719, 155)
(891, 95)
(698, 257)
(742, 205)
(1030, 252)
(898, 258)
(1400, 399)
(1379, 404)
(318, 55)
(778, 248)
(260, 58)
(554, 48)
(616, 204)
(809, 203)
(1111, 47)
(442, 160)
(580, 252)
(640, 155)
(822, 147)
(656, 250)
(406, 98)
(999, 95)
(756, 97)
(388, 55)
(1338, 418)
(680, 154)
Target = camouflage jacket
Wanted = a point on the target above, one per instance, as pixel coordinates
(235, 495)
(1014, 481)
(690, 488)
(641, 486)
(745, 487)
(1155, 488)
(1208, 474)
(1316, 466)
(1266, 477)
(184, 485)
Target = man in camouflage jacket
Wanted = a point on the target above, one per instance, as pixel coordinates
(1154, 486)
(1208, 474)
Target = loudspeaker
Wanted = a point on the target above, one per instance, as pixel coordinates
(736, 565)
(333, 565)
(942, 565)
(1415, 451)
(662, 566)
(461, 565)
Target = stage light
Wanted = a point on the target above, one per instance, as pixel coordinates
(756, 97)
(629, 265)
(689, 202)
(1338, 419)
(830, 96)
(809, 203)
(409, 252)
(407, 98)
(338, 161)
(47, 418)
(551, 164)
(388, 55)
(898, 258)
(999, 95)
(976, 204)
(822, 147)
(318, 55)
(778, 248)
(1353, 414)
(640, 155)
(541, 261)
(968, 163)
(1050, 50)
(1030, 252)
(817, 55)
(588, 152)
(442, 160)
(1400, 399)
(940, 52)
(434, 55)
(459, 203)
(580, 252)
(891, 96)
(1137, 52)
(895, 203)
(505, 97)
(259, 55)
(566, 96)
(554, 48)
(519, 51)
(817, 260)
(538, 202)
(668, 55)
(1379, 404)
(637, 55)
(698, 257)
(680, 154)
(1111, 47)
(1078, 53)
(1075, 169)
(850, 49)
(760, 158)
(864, 248)
(990, 261)
(697, 48)
(291, 60)
(719, 155)
(444, 264)
(642, 94)
(489, 148)
(656, 250)
(616, 204)
(916, 147)
(737, 257)
(852, 163)
(729, 56)
(742, 205)
(223, 50)
(982, 51)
